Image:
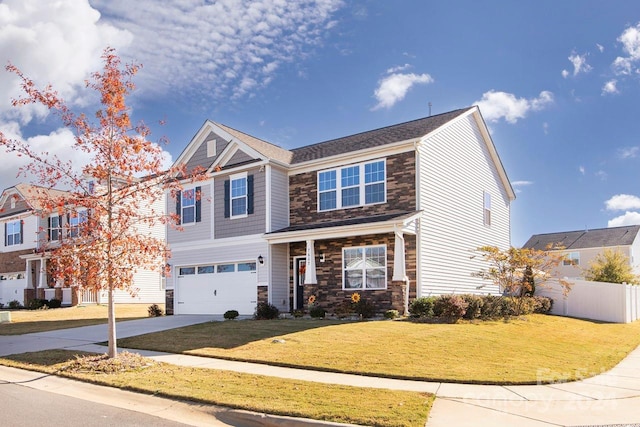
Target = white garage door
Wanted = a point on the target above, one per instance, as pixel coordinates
(216, 288)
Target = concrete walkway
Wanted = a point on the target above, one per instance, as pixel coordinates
(609, 398)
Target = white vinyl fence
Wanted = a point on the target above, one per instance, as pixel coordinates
(607, 302)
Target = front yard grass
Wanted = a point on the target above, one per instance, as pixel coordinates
(536, 349)
(333, 403)
(31, 321)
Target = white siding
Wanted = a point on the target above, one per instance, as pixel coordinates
(588, 255)
(279, 199)
(279, 282)
(454, 170)
(196, 231)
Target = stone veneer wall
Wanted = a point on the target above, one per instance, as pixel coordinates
(168, 302)
(328, 291)
(401, 194)
(263, 294)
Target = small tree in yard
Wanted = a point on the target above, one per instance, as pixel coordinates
(610, 266)
(111, 208)
(516, 270)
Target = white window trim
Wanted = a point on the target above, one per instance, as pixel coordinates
(190, 223)
(232, 178)
(364, 288)
(78, 214)
(571, 259)
(486, 208)
(361, 185)
(13, 234)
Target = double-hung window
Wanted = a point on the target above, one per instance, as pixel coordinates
(354, 185)
(13, 233)
(364, 267)
(188, 206)
(572, 258)
(238, 195)
(55, 227)
(76, 220)
(487, 209)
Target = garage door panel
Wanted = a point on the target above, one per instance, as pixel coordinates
(217, 293)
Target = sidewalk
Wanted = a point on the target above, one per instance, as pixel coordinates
(609, 398)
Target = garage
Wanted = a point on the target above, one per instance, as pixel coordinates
(216, 288)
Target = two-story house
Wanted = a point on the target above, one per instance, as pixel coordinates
(391, 213)
(581, 247)
(29, 230)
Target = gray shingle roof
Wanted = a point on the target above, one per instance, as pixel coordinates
(374, 138)
(596, 238)
(344, 222)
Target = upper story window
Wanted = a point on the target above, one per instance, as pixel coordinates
(13, 233)
(355, 185)
(572, 258)
(55, 227)
(364, 267)
(238, 196)
(188, 205)
(487, 209)
(76, 220)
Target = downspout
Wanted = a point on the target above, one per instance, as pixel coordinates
(416, 146)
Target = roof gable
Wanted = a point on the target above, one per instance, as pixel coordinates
(596, 238)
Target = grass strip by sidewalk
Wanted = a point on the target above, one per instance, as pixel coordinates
(32, 321)
(536, 349)
(335, 403)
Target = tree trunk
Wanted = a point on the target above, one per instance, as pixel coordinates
(113, 350)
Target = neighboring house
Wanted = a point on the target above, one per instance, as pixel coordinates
(581, 247)
(28, 231)
(393, 213)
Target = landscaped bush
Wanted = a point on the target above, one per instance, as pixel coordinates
(365, 308)
(37, 304)
(422, 307)
(450, 307)
(231, 314)
(55, 303)
(15, 304)
(391, 314)
(154, 310)
(474, 306)
(298, 313)
(317, 312)
(343, 310)
(266, 311)
(543, 305)
(492, 307)
(1, 305)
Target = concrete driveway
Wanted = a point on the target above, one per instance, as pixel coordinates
(77, 337)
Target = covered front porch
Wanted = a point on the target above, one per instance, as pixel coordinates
(330, 261)
(40, 283)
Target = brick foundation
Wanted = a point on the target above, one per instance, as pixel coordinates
(263, 294)
(168, 302)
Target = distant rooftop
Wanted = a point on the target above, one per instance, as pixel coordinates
(596, 238)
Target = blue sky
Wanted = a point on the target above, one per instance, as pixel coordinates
(558, 82)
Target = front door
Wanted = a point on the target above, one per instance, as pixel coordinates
(301, 265)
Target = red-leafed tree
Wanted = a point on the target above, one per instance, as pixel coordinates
(116, 202)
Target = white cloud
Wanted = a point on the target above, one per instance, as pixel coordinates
(517, 185)
(630, 40)
(628, 152)
(629, 218)
(621, 202)
(394, 88)
(579, 65)
(545, 128)
(610, 88)
(602, 175)
(221, 49)
(582, 170)
(502, 105)
(600, 47)
(398, 68)
(51, 42)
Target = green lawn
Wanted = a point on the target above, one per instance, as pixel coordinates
(335, 403)
(538, 348)
(30, 321)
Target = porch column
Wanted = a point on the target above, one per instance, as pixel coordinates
(310, 266)
(400, 268)
(42, 279)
